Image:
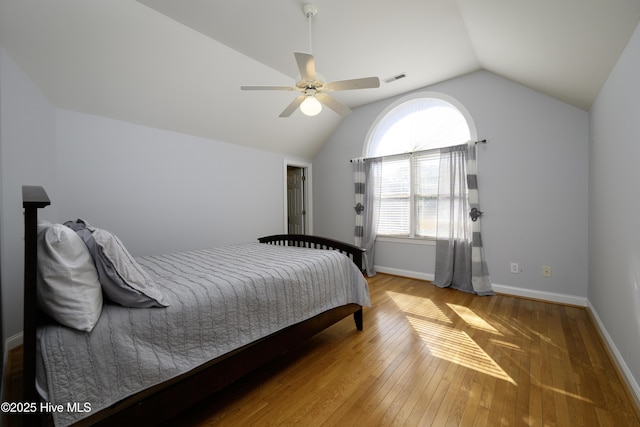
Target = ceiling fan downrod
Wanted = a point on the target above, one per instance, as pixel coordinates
(310, 11)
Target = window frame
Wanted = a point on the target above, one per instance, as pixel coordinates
(367, 147)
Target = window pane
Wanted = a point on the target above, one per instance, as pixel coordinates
(426, 191)
(395, 177)
(427, 171)
(426, 216)
(394, 217)
(419, 124)
(394, 204)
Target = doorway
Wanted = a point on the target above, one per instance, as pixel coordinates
(297, 209)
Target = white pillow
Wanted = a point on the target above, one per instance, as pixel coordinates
(68, 286)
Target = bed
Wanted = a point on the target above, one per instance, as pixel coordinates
(225, 312)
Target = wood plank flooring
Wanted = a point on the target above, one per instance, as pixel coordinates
(435, 357)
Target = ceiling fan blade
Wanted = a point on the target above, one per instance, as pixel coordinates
(364, 83)
(306, 65)
(334, 104)
(292, 107)
(267, 88)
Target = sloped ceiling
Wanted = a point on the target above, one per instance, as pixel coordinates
(179, 65)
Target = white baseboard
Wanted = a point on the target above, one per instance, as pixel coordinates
(404, 273)
(541, 295)
(618, 359)
(13, 341)
(508, 290)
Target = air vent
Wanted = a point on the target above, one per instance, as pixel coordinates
(394, 78)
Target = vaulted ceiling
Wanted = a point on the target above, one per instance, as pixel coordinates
(179, 65)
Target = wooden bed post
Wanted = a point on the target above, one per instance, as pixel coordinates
(357, 316)
(33, 198)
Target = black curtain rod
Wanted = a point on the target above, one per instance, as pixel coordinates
(481, 141)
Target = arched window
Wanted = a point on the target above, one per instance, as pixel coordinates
(408, 135)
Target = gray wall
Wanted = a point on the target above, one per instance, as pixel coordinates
(158, 191)
(533, 178)
(162, 191)
(27, 141)
(614, 237)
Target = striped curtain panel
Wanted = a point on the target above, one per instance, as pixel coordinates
(479, 270)
(366, 178)
(460, 262)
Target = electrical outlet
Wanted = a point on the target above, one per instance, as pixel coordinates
(546, 271)
(515, 268)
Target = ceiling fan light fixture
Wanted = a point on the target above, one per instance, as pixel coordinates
(311, 85)
(310, 106)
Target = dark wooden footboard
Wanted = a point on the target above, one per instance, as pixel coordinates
(317, 242)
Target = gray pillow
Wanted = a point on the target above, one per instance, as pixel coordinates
(123, 280)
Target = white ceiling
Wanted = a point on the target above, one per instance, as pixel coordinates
(179, 65)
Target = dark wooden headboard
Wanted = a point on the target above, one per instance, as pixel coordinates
(33, 198)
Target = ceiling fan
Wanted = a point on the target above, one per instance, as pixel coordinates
(315, 92)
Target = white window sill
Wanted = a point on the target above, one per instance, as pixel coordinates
(406, 240)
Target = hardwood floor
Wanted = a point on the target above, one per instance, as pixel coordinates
(436, 357)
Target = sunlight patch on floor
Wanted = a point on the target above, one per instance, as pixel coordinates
(418, 307)
(509, 345)
(446, 342)
(566, 393)
(456, 346)
(473, 319)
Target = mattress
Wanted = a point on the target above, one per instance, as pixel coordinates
(220, 299)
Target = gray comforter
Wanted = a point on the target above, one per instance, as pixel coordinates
(220, 299)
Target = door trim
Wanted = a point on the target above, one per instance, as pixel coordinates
(308, 196)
